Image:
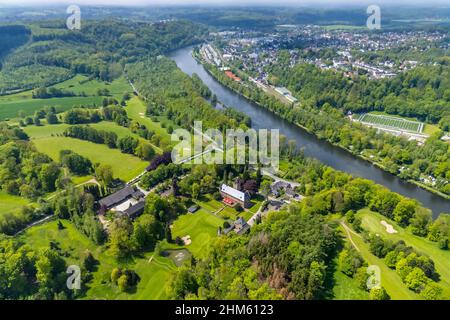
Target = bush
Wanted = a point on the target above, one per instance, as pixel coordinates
(378, 294)
(122, 282)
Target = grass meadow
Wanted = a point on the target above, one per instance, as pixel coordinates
(153, 274)
(10, 105)
(201, 226)
(371, 221)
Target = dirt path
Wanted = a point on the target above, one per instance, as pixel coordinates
(348, 231)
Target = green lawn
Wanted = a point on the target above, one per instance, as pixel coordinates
(125, 166)
(390, 280)
(347, 288)
(371, 222)
(10, 204)
(9, 110)
(80, 83)
(136, 110)
(153, 275)
(201, 226)
(10, 105)
(212, 206)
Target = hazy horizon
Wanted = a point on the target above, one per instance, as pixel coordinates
(13, 3)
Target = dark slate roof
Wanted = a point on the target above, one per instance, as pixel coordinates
(240, 221)
(135, 210)
(117, 197)
(138, 194)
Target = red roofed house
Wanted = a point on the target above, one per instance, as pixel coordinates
(231, 75)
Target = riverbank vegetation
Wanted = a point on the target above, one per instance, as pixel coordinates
(396, 155)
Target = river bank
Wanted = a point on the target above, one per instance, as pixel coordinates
(329, 154)
(208, 68)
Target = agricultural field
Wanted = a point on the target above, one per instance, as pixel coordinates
(390, 122)
(10, 110)
(10, 105)
(201, 226)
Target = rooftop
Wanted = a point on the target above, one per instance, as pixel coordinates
(117, 197)
(233, 192)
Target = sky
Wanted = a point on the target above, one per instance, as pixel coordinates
(228, 2)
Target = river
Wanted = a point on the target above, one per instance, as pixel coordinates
(327, 153)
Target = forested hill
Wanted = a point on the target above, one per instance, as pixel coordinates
(11, 37)
(55, 53)
(423, 92)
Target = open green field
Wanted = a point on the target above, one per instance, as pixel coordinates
(371, 221)
(80, 83)
(58, 129)
(10, 105)
(10, 204)
(201, 226)
(213, 206)
(9, 110)
(390, 280)
(153, 274)
(136, 110)
(346, 288)
(125, 166)
(390, 122)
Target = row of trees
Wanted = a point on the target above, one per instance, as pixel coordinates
(178, 97)
(128, 144)
(416, 271)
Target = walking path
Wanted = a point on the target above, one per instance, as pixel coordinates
(348, 231)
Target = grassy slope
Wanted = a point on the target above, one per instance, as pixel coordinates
(200, 226)
(346, 288)
(441, 258)
(10, 204)
(390, 280)
(10, 105)
(11, 109)
(124, 166)
(154, 275)
(136, 110)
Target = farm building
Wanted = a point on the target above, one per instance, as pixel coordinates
(136, 210)
(120, 196)
(127, 201)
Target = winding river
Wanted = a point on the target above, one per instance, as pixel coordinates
(314, 147)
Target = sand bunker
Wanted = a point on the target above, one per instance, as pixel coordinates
(389, 228)
(187, 240)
